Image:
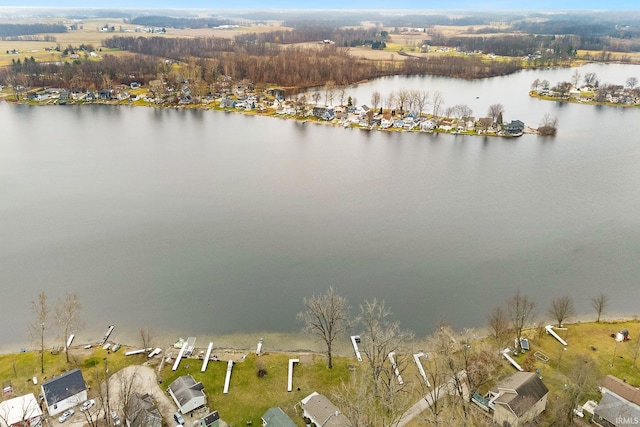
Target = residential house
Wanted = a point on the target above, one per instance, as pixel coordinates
(210, 420)
(446, 124)
(22, 411)
(227, 103)
(64, 392)
(322, 412)
(516, 127)
(275, 417)
(518, 399)
(620, 404)
(142, 412)
(187, 393)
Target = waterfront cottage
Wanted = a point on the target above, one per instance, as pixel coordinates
(64, 392)
(322, 412)
(518, 399)
(187, 393)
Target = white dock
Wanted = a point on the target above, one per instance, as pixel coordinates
(551, 332)
(355, 340)
(227, 378)
(132, 352)
(107, 334)
(506, 355)
(392, 359)
(179, 358)
(205, 362)
(259, 348)
(155, 352)
(417, 357)
(70, 340)
(290, 377)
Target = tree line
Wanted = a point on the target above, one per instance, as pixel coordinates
(12, 30)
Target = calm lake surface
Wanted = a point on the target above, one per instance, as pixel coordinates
(204, 223)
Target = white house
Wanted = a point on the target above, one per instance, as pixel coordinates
(22, 411)
(187, 393)
(64, 392)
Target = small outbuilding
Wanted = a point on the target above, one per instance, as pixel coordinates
(64, 392)
(187, 393)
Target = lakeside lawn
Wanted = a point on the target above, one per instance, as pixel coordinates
(250, 395)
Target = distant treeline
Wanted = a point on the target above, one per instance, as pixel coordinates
(167, 21)
(510, 45)
(13, 30)
(341, 37)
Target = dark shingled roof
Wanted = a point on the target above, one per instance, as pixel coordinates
(66, 385)
(521, 391)
(275, 417)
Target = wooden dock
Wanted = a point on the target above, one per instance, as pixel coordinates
(290, 375)
(107, 334)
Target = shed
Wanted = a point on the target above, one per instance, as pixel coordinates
(64, 392)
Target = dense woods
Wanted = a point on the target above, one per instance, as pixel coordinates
(13, 30)
(168, 21)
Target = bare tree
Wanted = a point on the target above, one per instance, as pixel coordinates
(326, 316)
(581, 379)
(67, 313)
(590, 79)
(402, 100)
(575, 78)
(146, 338)
(495, 110)
(126, 380)
(380, 337)
(499, 325)
(599, 303)
(548, 126)
(561, 309)
(375, 99)
(329, 92)
(438, 103)
(632, 82)
(535, 85)
(38, 326)
(342, 93)
(422, 98)
(520, 309)
(316, 97)
(391, 100)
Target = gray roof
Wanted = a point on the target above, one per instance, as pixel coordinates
(185, 388)
(622, 389)
(275, 417)
(520, 391)
(63, 387)
(142, 412)
(323, 411)
(613, 408)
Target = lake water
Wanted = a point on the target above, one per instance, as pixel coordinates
(206, 223)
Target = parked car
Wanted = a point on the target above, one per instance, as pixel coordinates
(178, 417)
(115, 419)
(66, 415)
(87, 405)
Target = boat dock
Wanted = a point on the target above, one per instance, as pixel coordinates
(392, 359)
(191, 346)
(70, 340)
(259, 348)
(290, 375)
(179, 358)
(355, 340)
(227, 378)
(551, 332)
(107, 334)
(132, 352)
(417, 357)
(205, 362)
(154, 352)
(505, 354)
